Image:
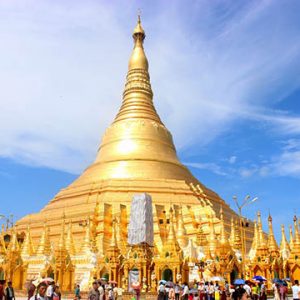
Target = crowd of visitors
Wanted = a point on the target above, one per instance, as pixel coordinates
(102, 290)
(239, 290)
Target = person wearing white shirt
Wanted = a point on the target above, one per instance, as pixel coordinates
(185, 294)
(41, 291)
(296, 290)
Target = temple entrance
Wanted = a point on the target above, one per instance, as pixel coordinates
(104, 274)
(167, 275)
(234, 274)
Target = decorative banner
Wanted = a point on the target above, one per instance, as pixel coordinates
(133, 279)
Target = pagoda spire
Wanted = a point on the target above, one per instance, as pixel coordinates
(291, 237)
(171, 234)
(14, 244)
(70, 245)
(237, 236)
(87, 245)
(44, 247)
(137, 96)
(272, 244)
(113, 242)
(284, 245)
(254, 244)
(28, 248)
(261, 239)
(296, 245)
(223, 241)
(181, 232)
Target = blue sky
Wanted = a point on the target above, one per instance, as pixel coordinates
(226, 81)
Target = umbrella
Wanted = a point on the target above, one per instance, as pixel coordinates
(239, 281)
(47, 279)
(217, 278)
(259, 278)
(162, 281)
(287, 279)
(278, 281)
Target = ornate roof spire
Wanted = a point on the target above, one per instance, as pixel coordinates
(113, 242)
(291, 237)
(44, 247)
(296, 245)
(181, 232)
(70, 245)
(254, 244)
(27, 249)
(14, 244)
(224, 243)
(87, 245)
(237, 236)
(272, 244)
(284, 245)
(171, 234)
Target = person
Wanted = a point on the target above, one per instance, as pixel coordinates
(110, 293)
(239, 294)
(247, 288)
(101, 290)
(77, 292)
(201, 291)
(115, 291)
(94, 293)
(296, 290)
(177, 291)
(210, 291)
(171, 295)
(255, 291)
(9, 291)
(161, 291)
(30, 289)
(185, 293)
(283, 290)
(41, 292)
(56, 293)
(276, 291)
(2, 289)
(50, 290)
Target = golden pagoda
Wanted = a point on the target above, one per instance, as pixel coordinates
(137, 155)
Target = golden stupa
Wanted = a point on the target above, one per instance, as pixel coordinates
(137, 155)
(82, 232)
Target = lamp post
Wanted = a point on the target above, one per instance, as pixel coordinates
(247, 200)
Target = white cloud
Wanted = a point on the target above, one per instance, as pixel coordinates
(214, 168)
(232, 159)
(63, 68)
